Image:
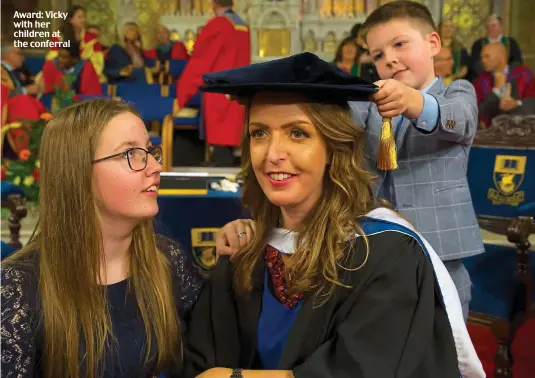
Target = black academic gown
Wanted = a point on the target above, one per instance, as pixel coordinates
(390, 323)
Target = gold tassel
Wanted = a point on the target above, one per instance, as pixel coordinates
(387, 160)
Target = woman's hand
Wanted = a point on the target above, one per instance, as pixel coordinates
(234, 235)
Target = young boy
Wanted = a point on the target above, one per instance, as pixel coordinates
(433, 125)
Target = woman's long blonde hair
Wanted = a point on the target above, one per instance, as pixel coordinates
(68, 241)
(322, 246)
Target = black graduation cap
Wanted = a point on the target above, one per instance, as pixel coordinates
(305, 74)
(302, 73)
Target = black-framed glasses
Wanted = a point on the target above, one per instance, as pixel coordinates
(137, 157)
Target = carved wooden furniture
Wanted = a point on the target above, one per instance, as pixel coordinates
(16, 204)
(509, 211)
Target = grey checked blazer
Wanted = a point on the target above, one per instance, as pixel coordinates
(430, 185)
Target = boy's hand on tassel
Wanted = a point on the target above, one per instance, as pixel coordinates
(395, 98)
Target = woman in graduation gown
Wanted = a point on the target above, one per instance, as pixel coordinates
(69, 62)
(330, 284)
(73, 28)
(126, 61)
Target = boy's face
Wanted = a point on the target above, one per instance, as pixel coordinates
(401, 52)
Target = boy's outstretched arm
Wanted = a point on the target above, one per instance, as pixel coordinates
(450, 114)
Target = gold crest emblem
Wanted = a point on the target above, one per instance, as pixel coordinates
(203, 244)
(508, 175)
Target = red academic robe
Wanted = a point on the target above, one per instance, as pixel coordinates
(178, 52)
(87, 83)
(224, 43)
(90, 49)
(523, 87)
(15, 109)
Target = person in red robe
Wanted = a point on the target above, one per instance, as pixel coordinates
(223, 119)
(69, 62)
(503, 88)
(73, 28)
(15, 109)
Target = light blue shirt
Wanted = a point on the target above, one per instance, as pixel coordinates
(428, 119)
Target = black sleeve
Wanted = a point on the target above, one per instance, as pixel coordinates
(490, 106)
(112, 65)
(187, 280)
(476, 56)
(398, 327)
(201, 351)
(18, 331)
(515, 54)
(465, 59)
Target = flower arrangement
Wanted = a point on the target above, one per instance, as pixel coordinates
(64, 94)
(24, 172)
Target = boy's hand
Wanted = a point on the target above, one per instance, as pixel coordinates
(395, 98)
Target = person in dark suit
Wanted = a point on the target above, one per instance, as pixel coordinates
(331, 284)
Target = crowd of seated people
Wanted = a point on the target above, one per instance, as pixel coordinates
(84, 64)
(494, 66)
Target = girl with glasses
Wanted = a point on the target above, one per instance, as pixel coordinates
(96, 293)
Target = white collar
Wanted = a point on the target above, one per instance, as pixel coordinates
(467, 359)
(495, 40)
(7, 66)
(285, 240)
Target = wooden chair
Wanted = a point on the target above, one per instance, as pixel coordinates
(188, 118)
(14, 200)
(505, 204)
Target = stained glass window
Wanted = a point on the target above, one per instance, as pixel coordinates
(469, 17)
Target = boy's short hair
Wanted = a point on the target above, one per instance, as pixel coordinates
(401, 10)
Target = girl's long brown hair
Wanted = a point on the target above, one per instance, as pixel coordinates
(68, 240)
(322, 246)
